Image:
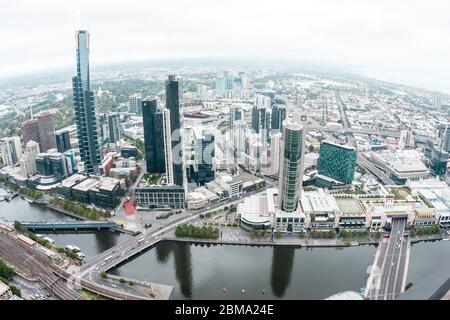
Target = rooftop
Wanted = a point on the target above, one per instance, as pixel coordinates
(86, 185)
(318, 201)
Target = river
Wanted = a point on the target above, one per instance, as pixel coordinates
(202, 272)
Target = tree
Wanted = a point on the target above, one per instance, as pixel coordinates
(6, 272)
(103, 275)
(16, 291)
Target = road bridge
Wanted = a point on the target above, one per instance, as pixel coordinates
(388, 274)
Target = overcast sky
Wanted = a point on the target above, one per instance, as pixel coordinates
(405, 40)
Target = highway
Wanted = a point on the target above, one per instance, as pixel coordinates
(365, 163)
(388, 276)
(344, 118)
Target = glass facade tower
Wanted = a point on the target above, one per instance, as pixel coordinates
(337, 161)
(85, 113)
(173, 105)
(291, 165)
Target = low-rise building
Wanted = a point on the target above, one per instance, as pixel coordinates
(321, 210)
(200, 198)
(103, 192)
(5, 292)
(424, 218)
(352, 215)
(159, 195)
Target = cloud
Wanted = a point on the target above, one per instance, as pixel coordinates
(405, 37)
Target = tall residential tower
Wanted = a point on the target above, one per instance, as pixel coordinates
(291, 165)
(85, 113)
(173, 104)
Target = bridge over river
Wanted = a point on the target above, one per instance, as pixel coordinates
(388, 274)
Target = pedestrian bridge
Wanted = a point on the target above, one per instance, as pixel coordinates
(70, 226)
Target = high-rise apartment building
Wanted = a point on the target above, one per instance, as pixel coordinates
(85, 112)
(63, 141)
(291, 164)
(28, 161)
(337, 161)
(11, 150)
(153, 136)
(135, 104)
(40, 129)
(275, 148)
(236, 113)
(278, 116)
(173, 105)
(114, 127)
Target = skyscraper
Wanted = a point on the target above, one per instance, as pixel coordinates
(28, 161)
(11, 150)
(337, 161)
(204, 146)
(259, 121)
(291, 165)
(114, 127)
(63, 141)
(40, 129)
(153, 136)
(167, 134)
(85, 113)
(236, 114)
(173, 105)
(135, 104)
(278, 116)
(275, 141)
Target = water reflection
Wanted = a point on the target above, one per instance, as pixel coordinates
(183, 268)
(105, 240)
(282, 264)
(163, 251)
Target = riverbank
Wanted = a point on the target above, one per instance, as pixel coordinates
(290, 242)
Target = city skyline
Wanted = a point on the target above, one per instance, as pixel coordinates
(357, 34)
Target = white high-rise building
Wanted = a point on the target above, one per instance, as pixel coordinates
(437, 102)
(168, 146)
(275, 146)
(262, 101)
(11, 150)
(134, 103)
(255, 151)
(240, 130)
(28, 161)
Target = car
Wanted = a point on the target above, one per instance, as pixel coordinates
(114, 286)
(386, 235)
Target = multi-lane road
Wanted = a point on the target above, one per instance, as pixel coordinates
(388, 274)
(365, 163)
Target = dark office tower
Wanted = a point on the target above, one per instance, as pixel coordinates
(153, 136)
(278, 116)
(114, 127)
(259, 120)
(85, 113)
(236, 114)
(173, 104)
(40, 129)
(63, 141)
(204, 146)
